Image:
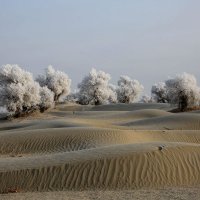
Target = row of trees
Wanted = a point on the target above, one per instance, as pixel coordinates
(20, 93)
(95, 89)
(182, 90)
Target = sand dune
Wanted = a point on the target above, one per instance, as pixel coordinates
(108, 119)
(111, 167)
(136, 114)
(37, 124)
(114, 149)
(131, 107)
(184, 121)
(72, 139)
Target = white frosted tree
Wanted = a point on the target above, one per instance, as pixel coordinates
(19, 92)
(58, 82)
(146, 99)
(159, 93)
(113, 94)
(183, 91)
(46, 98)
(128, 90)
(72, 98)
(95, 89)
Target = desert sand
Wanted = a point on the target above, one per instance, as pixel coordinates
(134, 151)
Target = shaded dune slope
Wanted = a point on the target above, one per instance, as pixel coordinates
(142, 113)
(131, 107)
(136, 114)
(188, 121)
(37, 124)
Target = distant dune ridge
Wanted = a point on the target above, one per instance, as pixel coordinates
(120, 146)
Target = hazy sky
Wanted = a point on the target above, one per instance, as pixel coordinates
(147, 40)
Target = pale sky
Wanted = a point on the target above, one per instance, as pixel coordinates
(147, 40)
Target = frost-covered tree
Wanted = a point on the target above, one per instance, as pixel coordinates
(58, 82)
(72, 97)
(95, 89)
(183, 91)
(113, 94)
(146, 99)
(159, 93)
(19, 92)
(46, 98)
(128, 90)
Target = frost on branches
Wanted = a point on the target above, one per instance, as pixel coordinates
(146, 99)
(183, 91)
(46, 98)
(159, 93)
(58, 82)
(128, 90)
(20, 94)
(95, 89)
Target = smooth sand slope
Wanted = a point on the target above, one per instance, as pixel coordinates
(112, 147)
